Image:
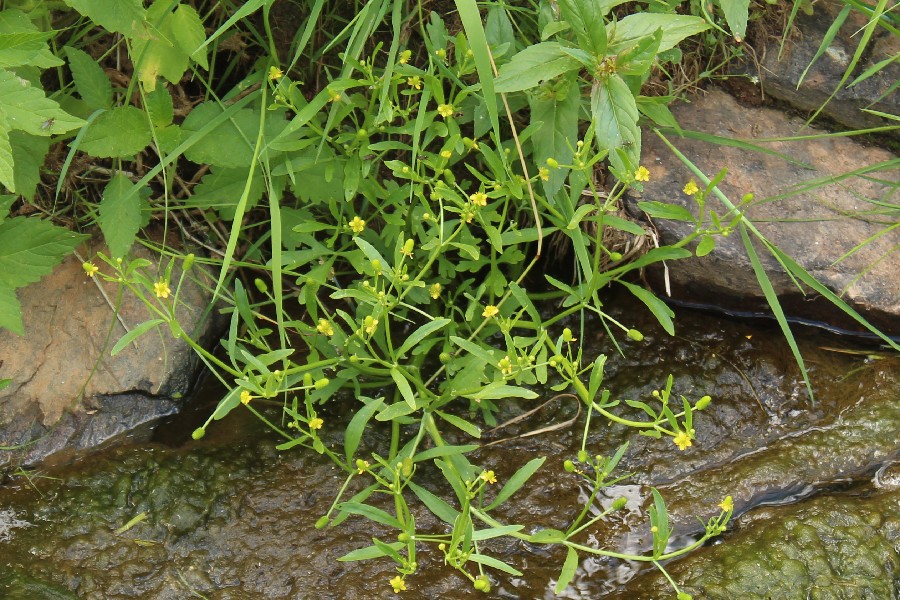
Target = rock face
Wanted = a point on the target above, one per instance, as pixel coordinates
(820, 201)
(67, 393)
(779, 70)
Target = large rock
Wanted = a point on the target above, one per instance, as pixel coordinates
(67, 393)
(778, 70)
(817, 214)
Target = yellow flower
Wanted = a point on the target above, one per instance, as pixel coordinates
(370, 325)
(446, 154)
(361, 466)
(505, 366)
(398, 584)
(642, 174)
(682, 440)
(334, 96)
(490, 311)
(90, 269)
(245, 397)
(467, 215)
(357, 225)
(544, 174)
(324, 327)
(275, 73)
(445, 110)
(161, 288)
(727, 504)
(488, 476)
(404, 57)
(691, 188)
(414, 82)
(479, 199)
(316, 423)
(435, 290)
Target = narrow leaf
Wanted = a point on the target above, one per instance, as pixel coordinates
(568, 571)
(134, 334)
(515, 482)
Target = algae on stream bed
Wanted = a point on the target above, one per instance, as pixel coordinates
(229, 517)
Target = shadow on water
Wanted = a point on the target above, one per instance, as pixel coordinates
(229, 517)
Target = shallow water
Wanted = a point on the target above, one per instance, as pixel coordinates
(229, 517)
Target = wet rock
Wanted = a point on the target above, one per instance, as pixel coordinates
(807, 202)
(832, 547)
(67, 393)
(778, 71)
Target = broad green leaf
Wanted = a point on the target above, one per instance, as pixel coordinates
(439, 507)
(622, 224)
(626, 32)
(134, 334)
(496, 391)
(461, 424)
(167, 50)
(557, 108)
(231, 400)
(707, 244)
(28, 153)
(659, 518)
(517, 481)
(27, 109)
(547, 536)
(587, 19)
(189, 33)
(10, 311)
(440, 451)
(228, 145)
(159, 106)
(369, 552)
(664, 210)
(357, 426)
(120, 16)
(615, 117)
(533, 65)
(371, 513)
(119, 216)
(221, 189)
(568, 571)
(490, 561)
(473, 349)
(638, 59)
(91, 82)
(6, 202)
(30, 248)
(7, 164)
(660, 309)
(395, 411)
(120, 132)
(736, 12)
(404, 387)
(22, 43)
(420, 334)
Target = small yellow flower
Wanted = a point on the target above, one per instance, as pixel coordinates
(361, 466)
(370, 325)
(435, 290)
(642, 174)
(357, 225)
(445, 110)
(161, 288)
(467, 215)
(544, 174)
(490, 311)
(334, 96)
(90, 269)
(275, 73)
(441, 53)
(414, 82)
(404, 57)
(505, 366)
(488, 476)
(446, 154)
(325, 328)
(479, 199)
(682, 440)
(727, 504)
(245, 397)
(316, 423)
(398, 584)
(691, 188)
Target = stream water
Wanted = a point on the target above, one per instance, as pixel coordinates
(816, 488)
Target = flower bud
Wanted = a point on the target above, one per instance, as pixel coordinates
(615, 256)
(406, 467)
(567, 335)
(199, 433)
(619, 503)
(444, 357)
(635, 335)
(569, 466)
(582, 456)
(322, 383)
(702, 403)
(552, 163)
(482, 584)
(408, 246)
(322, 522)
(261, 285)
(403, 537)
(188, 262)
(307, 379)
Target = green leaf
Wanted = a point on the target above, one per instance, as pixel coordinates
(626, 32)
(120, 132)
(615, 117)
(404, 387)
(420, 334)
(587, 18)
(30, 248)
(440, 451)
(664, 210)
(548, 536)
(6, 202)
(120, 16)
(557, 108)
(7, 168)
(470, 16)
(159, 106)
(660, 309)
(10, 311)
(497, 391)
(357, 426)
(568, 571)
(228, 145)
(371, 513)
(22, 43)
(231, 400)
(222, 188)
(736, 12)
(439, 507)
(490, 561)
(659, 518)
(638, 59)
(27, 109)
(495, 532)
(461, 424)
(515, 482)
(119, 216)
(91, 82)
(394, 411)
(168, 49)
(134, 334)
(189, 33)
(707, 244)
(533, 65)
(370, 552)
(28, 154)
